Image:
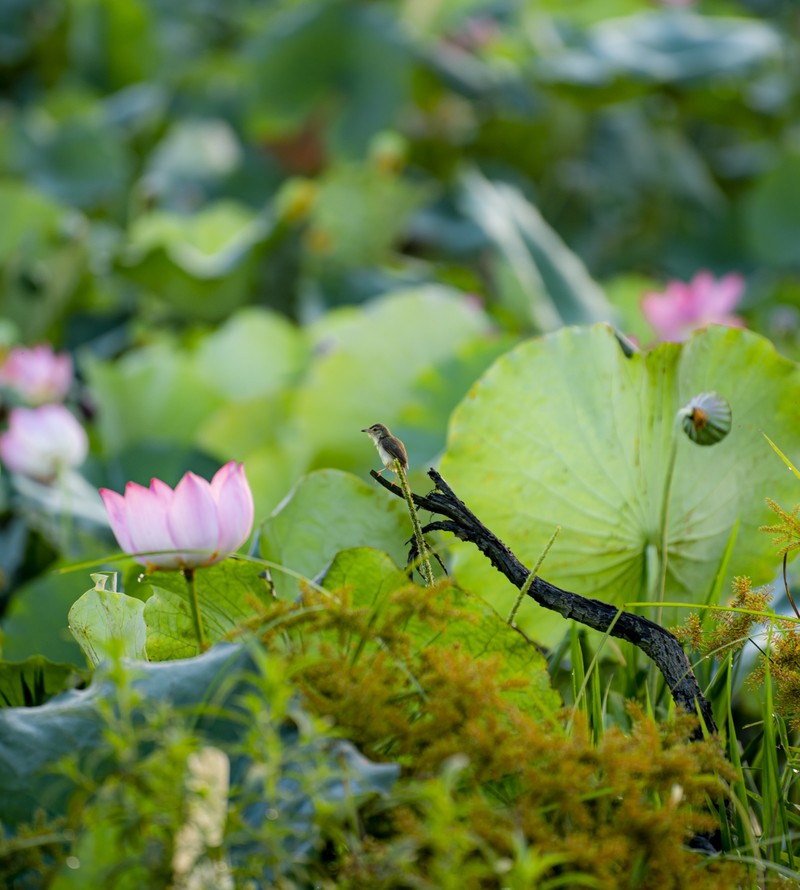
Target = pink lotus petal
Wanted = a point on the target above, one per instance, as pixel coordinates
(39, 442)
(193, 522)
(161, 492)
(118, 517)
(38, 374)
(147, 527)
(212, 518)
(235, 506)
(724, 296)
(682, 308)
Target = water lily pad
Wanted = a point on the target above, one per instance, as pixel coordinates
(566, 430)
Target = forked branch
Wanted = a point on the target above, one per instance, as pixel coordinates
(655, 641)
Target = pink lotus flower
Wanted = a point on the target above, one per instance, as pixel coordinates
(682, 307)
(211, 519)
(38, 374)
(39, 442)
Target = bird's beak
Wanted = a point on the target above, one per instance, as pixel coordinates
(364, 431)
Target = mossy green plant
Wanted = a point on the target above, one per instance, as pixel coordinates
(614, 813)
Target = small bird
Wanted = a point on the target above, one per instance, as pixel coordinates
(390, 448)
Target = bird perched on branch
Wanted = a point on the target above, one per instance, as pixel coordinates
(390, 448)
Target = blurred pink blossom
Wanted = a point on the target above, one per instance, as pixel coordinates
(38, 374)
(39, 442)
(213, 519)
(682, 308)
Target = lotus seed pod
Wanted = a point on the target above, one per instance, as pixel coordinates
(707, 418)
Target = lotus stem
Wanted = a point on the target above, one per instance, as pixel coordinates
(191, 581)
(422, 547)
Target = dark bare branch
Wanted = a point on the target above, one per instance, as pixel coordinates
(655, 641)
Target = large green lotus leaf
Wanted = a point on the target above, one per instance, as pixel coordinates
(150, 393)
(367, 364)
(192, 161)
(259, 434)
(207, 691)
(327, 512)
(204, 264)
(360, 211)
(565, 430)
(207, 244)
(228, 594)
(371, 577)
(253, 353)
(107, 623)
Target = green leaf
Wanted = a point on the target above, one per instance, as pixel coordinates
(254, 353)
(371, 577)
(667, 46)
(541, 281)
(204, 264)
(367, 362)
(150, 393)
(106, 623)
(42, 258)
(566, 430)
(327, 512)
(359, 212)
(485, 634)
(370, 574)
(228, 593)
(24, 684)
(209, 691)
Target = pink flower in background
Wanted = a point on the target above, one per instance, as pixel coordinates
(682, 308)
(39, 442)
(38, 374)
(214, 518)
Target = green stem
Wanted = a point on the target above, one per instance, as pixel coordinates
(664, 521)
(422, 547)
(189, 574)
(530, 579)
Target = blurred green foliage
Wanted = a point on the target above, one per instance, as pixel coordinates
(262, 225)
